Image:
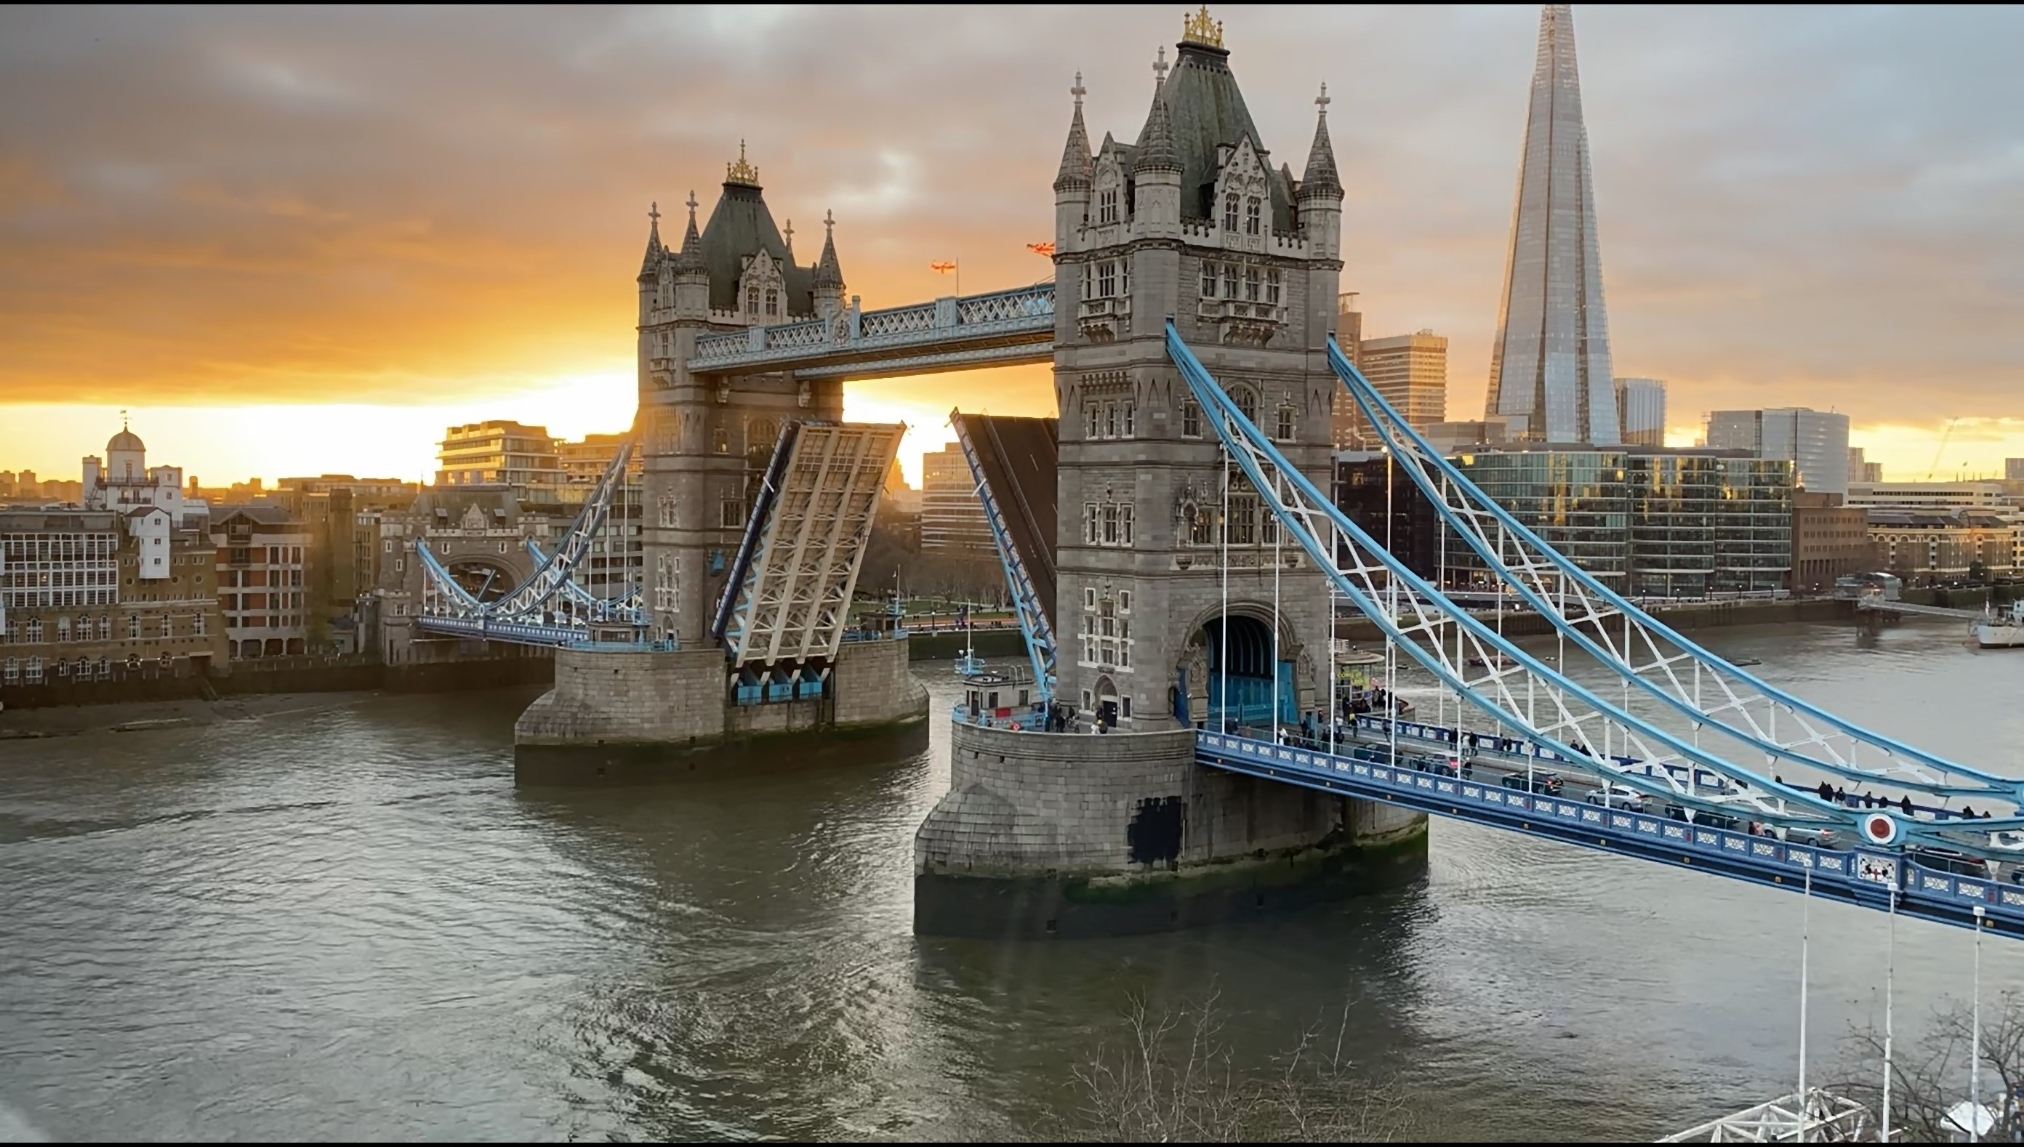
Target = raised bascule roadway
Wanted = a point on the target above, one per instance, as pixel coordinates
(1624, 704)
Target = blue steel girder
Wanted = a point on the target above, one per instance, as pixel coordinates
(998, 328)
(1033, 621)
(1694, 683)
(1865, 875)
(1573, 711)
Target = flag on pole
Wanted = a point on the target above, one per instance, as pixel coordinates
(943, 268)
(1046, 249)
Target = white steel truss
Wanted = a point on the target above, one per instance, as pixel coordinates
(795, 600)
(1693, 683)
(1822, 1118)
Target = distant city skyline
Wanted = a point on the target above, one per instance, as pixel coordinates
(374, 250)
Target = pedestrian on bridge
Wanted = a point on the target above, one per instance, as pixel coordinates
(1906, 803)
(1826, 792)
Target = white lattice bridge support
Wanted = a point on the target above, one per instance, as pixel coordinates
(1001, 328)
(790, 599)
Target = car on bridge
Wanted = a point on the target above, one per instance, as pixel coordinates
(1815, 838)
(1947, 860)
(1543, 783)
(1617, 796)
(1441, 767)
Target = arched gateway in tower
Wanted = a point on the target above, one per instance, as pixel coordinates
(1176, 605)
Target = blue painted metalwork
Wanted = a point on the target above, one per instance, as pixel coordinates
(1033, 621)
(1863, 876)
(973, 330)
(1302, 509)
(1461, 504)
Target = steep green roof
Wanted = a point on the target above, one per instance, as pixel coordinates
(1206, 109)
(741, 225)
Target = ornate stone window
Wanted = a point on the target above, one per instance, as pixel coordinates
(1250, 284)
(1106, 279)
(1208, 279)
(1191, 418)
(1110, 420)
(1092, 420)
(1272, 284)
(1229, 280)
(1284, 431)
(667, 508)
(1252, 212)
(772, 302)
(1230, 212)
(1106, 206)
(752, 300)
(1247, 402)
(1130, 412)
(1243, 519)
(1091, 527)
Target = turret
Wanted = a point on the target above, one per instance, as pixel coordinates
(692, 274)
(828, 272)
(650, 266)
(1156, 167)
(1072, 182)
(1320, 194)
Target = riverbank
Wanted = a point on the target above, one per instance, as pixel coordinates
(139, 716)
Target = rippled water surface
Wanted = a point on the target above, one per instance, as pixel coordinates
(350, 924)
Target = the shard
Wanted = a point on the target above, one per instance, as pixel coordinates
(1549, 368)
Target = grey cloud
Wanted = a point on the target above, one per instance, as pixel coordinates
(1797, 204)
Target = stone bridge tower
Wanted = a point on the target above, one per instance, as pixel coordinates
(1191, 221)
(1050, 834)
(707, 439)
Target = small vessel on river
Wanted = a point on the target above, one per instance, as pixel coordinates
(2004, 630)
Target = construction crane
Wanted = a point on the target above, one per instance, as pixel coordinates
(1944, 435)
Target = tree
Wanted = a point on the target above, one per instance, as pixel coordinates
(1930, 1075)
(1173, 1079)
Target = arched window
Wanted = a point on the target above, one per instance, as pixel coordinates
(1191, 418)
(1285, 428)
(752, 300)
(1247, 402)
(1252, 211)
(1230, 212)
(772, 301)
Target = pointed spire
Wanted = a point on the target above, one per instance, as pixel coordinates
(1076, 165)
(1320, 176)
(790, 240)
(1155, 148)
(829, 272)
(691, 256)
(654, 248)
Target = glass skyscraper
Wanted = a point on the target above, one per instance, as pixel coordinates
(1549, 368)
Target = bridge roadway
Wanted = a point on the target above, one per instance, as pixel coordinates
(1858, 875)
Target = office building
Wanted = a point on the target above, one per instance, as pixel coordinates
(1344, 419)
(1451, 437)
(499, 453)
(1550, 377)
(1829, 541)
(1385, 504)
(898, 500)
(952, 515)
(2013, 469)
(1647, 521)
(1411, 372)
(263, 557)
(1814, 441)
(1641, 411)
(103, 595)
(1861, 469)
(1972, 494)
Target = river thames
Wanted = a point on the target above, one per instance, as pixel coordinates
(349, 924)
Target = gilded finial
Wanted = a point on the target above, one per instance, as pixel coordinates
(1200, 29)
(741, 171)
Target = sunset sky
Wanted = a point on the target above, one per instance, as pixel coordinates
(305, 240)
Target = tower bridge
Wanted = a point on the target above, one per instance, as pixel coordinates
(1175, 566)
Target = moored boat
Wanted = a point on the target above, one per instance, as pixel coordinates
(2004, 630)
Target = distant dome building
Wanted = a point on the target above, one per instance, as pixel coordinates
(123, 481)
